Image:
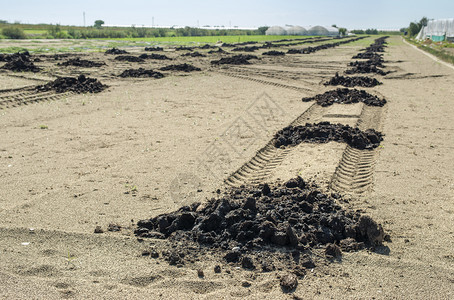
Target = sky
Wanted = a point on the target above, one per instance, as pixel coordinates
(352, 14)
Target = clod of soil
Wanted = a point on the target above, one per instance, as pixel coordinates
(346, 96)
(378, 62)
(154, 56)
(364, 69)
(77, 62)
(258, 226)
(274, 53)
(332, 251)
(21, 64)
(207, 46)
(324, 132)
(220, 50)
(353, 81)
(154, 49)
(14, 56)
(289, 282)
(141, 72)
(183, 67)
(129, 58)
(78, 85)
(368, 55)
(181, 48)
(234, 60)
(194, 54)
(116, 51)
(246, 49)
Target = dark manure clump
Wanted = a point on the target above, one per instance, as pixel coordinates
(182, 68)
(129, 58)
(346, 96)
(262, 227)
(154, 56)
(116, 51)
(234, 60)
(141, 73)
(362, 81)
(154, 49)
(274, 53)
(77, 62)
(77, 85)
(194, 54)
(324, 132)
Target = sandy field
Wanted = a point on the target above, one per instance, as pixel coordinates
(72, 162)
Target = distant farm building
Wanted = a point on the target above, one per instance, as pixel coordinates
(437, 30)
(298, 30)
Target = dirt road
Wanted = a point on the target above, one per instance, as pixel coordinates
(145, 147)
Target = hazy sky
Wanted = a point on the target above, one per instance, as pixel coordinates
(352, 14)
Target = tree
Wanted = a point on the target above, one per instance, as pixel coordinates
(342, 31)
(262, 30)
(98, 24)
(13, 32)
(413, 29)
(423, 22)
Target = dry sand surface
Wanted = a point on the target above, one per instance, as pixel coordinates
(72, 162)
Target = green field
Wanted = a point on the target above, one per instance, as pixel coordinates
(209, 39)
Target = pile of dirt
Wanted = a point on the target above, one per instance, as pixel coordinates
(154, 56)
(181, 48)
(324, 132)
(368, 55)
(262, 227)
(207, 46)
(365, 69)
(116, 51)
(346, 96)
(274, 53)
(14, 56)
(77, 85)
(375, 61)
(194, 54)
(246, 49)
(154, 49)
(141, 72)
(234, 60)
(353, 81)
(183, 67)
(129, 58)
(220, 50)
(77, 62)
(21, 63)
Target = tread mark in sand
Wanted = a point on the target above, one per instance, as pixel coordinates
(265, 82)
(355, 170)
(257, 169)
(27, 95)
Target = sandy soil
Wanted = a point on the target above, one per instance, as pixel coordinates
(145, 147)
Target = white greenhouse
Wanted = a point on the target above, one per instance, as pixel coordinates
(276, 30)
(298, 30)
(437, 30)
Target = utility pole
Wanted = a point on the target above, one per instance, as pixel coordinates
(84, 19)
(198, 24)
(152, 21)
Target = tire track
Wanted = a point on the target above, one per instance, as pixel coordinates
(280, 85)
(25, 96)
(355, 171)
(260, 167)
